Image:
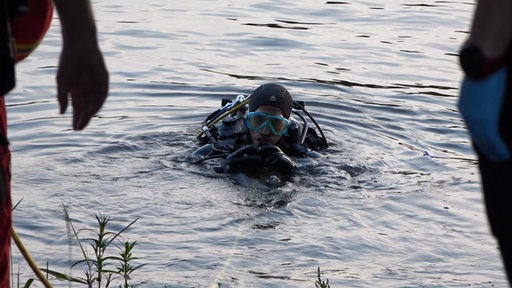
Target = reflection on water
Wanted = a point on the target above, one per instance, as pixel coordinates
(393, 202)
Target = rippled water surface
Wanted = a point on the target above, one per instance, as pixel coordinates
(394, 202)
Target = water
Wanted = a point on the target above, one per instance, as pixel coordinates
(394, 202)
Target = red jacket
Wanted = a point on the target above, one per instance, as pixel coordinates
(28, 30)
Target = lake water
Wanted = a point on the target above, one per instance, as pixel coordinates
(395, 201)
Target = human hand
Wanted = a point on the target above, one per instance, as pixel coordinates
(275, 158)
(243, 159)
(480, 104)
(82, 76)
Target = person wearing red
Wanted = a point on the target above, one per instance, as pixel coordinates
(82, 76)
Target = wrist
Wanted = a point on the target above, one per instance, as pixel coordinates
(476, 65)
(79, 35)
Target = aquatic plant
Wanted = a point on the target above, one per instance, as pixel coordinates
(103, 268)
(125, 259)
(18, 284)
(100, 268)
(320, 283)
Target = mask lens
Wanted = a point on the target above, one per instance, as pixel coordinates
(278, 125)
(257, 120)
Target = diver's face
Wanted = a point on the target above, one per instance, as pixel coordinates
(265, 134)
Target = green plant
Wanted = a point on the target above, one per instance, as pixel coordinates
(100, 270)
(320, 283)
(27, 284)
(126, 269)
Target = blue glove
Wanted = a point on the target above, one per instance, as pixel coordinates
(480, 104)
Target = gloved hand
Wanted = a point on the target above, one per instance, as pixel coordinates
(276, 159)
(245, 159)
(480, 104)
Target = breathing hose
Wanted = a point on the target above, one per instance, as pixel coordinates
(222, 116)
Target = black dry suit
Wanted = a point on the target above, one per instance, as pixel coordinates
(229, 138)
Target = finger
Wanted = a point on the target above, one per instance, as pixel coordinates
(82, 112)
(267, 148)
(84, 108)
(80, 121)
(62, 96)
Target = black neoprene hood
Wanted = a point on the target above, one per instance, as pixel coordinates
(272, 94)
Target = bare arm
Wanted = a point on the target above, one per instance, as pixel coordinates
(491, 30)
(82, 74)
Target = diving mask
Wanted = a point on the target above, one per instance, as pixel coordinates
(258, 120)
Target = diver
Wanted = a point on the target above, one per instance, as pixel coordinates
(257, 135)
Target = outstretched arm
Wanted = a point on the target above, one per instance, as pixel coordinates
(82, 74)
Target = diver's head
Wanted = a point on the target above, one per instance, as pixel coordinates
(269, 110)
